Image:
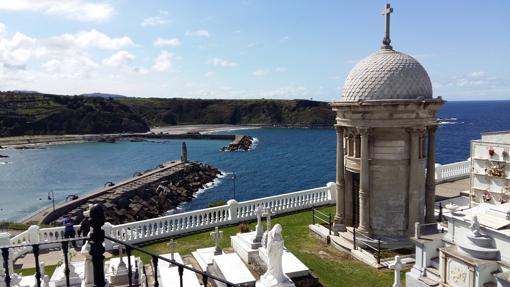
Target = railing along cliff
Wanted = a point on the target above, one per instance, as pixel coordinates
(186, 222)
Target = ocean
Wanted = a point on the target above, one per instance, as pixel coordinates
(283, 160)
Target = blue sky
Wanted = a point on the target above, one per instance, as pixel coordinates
(246, 49)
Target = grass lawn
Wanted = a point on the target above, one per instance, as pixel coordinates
(333, 267)
(31, 271)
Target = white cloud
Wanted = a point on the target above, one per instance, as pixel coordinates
(119, 59)
(222, 63)
(154, 21)
(261, 72)
(265, 72)
(209, 74)
(16, 52)
(71, 67)
(71, 9)
(287, 93)
(2, 28)
(476, 74)
(92, 38)
(199, 33)
(173, 42)
(163, 62)
(66, 56)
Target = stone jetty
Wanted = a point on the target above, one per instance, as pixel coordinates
(240, 143)
(144, 196)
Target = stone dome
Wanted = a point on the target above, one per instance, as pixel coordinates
(387, 75)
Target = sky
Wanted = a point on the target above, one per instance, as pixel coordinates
(285, 49)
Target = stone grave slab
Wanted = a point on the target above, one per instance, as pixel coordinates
(292, 266)
(169, 276)
(58, 278)
(177, 257)
(244, 246)
(231, 268)
(204, 256)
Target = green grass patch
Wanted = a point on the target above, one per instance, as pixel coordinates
(333, 267)
(31, 271)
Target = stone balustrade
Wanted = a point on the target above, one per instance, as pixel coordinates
(176, 224)
(452, 171)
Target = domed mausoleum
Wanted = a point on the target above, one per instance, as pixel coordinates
(386, 124)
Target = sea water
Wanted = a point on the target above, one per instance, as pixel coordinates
(283, 160)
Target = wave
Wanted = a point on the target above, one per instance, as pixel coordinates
(449, 123)
(181, 207)
(5, 162)
(254, 143)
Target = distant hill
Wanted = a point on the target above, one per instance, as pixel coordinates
(23, 113)
(103, 95)
(177, 111)
(33, 114)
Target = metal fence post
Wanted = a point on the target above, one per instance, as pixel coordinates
(96, 244)
(354, 238)
(440, 215)
(330, 223)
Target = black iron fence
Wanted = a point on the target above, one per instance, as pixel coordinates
(373, 244)
(322, 218)
(96, 239)
(64, 243)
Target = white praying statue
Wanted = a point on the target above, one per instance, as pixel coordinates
(88, 268)
(274, 276)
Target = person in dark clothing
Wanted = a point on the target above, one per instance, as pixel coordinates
(84, 226)
(69, 228)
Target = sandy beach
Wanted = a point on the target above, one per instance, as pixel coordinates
(203, 129)
(37, 141)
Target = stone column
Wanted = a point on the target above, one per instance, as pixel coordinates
(430, 184)
(340, 184)
(414, 208)
(364, 190)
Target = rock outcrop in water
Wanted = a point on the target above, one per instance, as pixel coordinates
(151, 198)
(240, 143)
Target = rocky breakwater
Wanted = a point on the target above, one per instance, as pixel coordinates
(240, 143)
(152, 195)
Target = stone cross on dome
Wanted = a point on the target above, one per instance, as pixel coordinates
(386, 12)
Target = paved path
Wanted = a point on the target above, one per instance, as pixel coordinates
(451, 189)
(51, 257)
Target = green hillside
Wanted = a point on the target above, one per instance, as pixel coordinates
(24, 113)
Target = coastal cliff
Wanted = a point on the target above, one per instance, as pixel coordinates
(24, 113)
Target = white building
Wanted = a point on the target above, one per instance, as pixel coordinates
(475, 250)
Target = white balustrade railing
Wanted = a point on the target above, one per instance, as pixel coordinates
(232, 213)
(186, 222)
(453, 171)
